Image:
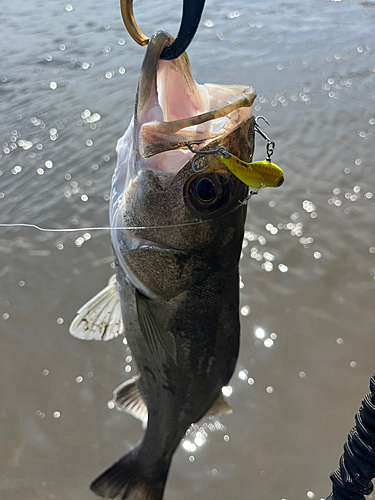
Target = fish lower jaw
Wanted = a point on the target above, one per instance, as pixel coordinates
(172, 110)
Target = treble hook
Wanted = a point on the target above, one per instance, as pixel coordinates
(191, 15)
(248, 197)
(219, 151)
(270, 147)
(259, 130)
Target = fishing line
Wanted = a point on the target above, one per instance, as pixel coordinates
(126, 228)
(100, 228)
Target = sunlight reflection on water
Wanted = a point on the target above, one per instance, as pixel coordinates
(68, 82)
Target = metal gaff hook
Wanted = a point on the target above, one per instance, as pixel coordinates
(191, 16)
(270, 147)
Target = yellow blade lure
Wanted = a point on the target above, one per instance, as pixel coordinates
(257, 174)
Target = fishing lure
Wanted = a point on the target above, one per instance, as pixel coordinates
(257, 174)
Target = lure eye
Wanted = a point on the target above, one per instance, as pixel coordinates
(281, 181)
(207, 192)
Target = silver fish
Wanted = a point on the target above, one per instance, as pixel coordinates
(177, 271)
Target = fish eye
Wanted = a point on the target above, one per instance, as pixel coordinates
(207, 192)
(281, 181)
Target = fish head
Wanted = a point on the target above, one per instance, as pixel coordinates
(183, 219)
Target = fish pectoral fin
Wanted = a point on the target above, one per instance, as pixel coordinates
(157, 338)
(220, 407)
(100, 318)
(127, 397)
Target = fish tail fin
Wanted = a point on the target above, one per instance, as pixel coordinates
(123, 480)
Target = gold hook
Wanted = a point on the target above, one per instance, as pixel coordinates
(191, 15)
(130, 24)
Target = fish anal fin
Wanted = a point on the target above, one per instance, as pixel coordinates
(127, 397)
(157, 338)
(100, 318)
(220, 407)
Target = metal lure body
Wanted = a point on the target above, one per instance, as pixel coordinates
(257, 174)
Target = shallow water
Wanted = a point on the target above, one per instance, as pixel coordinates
(67, 84)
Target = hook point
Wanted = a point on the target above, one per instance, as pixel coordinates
(261, 117)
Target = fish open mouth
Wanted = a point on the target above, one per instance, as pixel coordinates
(173, 110)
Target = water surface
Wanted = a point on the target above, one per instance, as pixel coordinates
(67, 82)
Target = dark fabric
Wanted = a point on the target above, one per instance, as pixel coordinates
(352, 480)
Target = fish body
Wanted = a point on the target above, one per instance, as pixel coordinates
(257, 174)
(177, 270)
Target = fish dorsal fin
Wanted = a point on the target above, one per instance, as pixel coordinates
(157, 338)
(127, 397)
(100, 318)
(220, 407)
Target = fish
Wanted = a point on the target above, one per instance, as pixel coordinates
(177, 237)
(256, 174)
